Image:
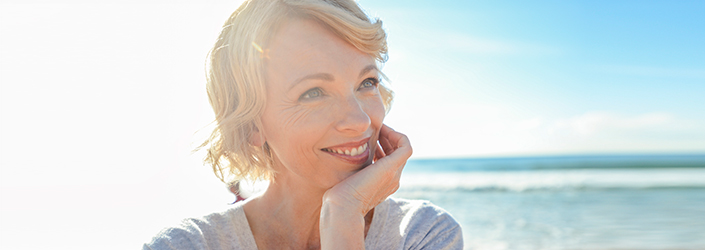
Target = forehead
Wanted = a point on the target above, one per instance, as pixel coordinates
(303, 47)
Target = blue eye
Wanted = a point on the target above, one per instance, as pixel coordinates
(311, 93)
(369, 83)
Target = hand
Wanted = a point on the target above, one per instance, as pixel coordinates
(342, 221)
(370, 186)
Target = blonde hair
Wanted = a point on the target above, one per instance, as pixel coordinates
(236, 82)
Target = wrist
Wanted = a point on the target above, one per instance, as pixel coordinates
(343, 204)
(341, 226)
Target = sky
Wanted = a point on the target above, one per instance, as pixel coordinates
(481, 78)
(102, 103)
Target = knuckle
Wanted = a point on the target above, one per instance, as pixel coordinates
(393, 189)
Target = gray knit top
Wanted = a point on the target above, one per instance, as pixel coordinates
(396, 224)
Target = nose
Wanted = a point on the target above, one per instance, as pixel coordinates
(352, 119)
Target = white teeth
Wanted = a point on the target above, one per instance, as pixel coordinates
(350, 152)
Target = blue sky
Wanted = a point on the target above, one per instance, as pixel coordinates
(578, 77)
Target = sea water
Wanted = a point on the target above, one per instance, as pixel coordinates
(569, 202)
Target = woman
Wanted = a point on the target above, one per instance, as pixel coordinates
(295, 86)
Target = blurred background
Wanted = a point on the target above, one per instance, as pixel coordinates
(538, 125)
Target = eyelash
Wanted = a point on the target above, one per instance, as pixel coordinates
(319, 92)
(307, 94)
(372, 80)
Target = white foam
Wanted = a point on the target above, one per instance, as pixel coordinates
(554, 179)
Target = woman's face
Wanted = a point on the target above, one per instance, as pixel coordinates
(323, 111)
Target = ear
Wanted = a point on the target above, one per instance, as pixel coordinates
(257, 137)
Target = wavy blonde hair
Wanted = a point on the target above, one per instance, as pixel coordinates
(236, 82)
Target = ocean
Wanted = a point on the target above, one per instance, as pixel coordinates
(568, 202)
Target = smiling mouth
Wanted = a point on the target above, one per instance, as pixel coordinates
(348, 151)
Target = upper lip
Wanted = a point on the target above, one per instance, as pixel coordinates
(350, 145)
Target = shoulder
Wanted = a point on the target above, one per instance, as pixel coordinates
(417, 214)
(214, 231)
(422, 224)
(422, 210)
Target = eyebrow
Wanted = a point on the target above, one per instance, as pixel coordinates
(328, 77)
(367, 69)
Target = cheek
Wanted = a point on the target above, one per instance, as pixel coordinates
(375, 110)
(294, 131)
(374, 107)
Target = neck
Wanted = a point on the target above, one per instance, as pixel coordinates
(287, 213)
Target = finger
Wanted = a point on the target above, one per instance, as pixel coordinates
(393, 136)
(386, 144)
(379, 153)
(391, 140)
(396, 159)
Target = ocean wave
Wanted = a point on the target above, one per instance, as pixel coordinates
(558, 162)
(553, 180)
